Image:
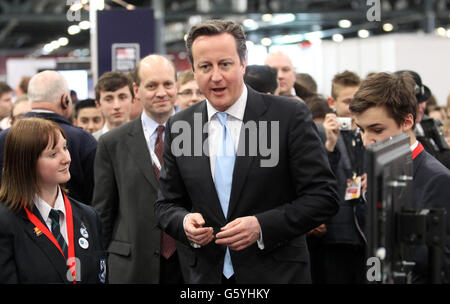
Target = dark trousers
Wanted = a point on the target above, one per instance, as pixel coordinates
(170, 271)
(338, 264)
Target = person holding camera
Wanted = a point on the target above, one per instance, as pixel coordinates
(338, 247)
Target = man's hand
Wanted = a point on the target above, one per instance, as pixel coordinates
(240, 233)
(195, 232)
(319, 230)
(331, 126)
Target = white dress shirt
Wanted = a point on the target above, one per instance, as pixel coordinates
(44, 209)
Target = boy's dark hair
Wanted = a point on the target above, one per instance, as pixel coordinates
(85, 103)
(395, 92)
(262, 78)
(318, 106)
(112, 81)
(4, 88)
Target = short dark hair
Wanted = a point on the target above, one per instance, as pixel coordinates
(112, 81)
(307, 81)
(217, 27)
(395, 92)
(4, 88)
(344, 79)
(85, 103)
(318, 106)
(262, 78)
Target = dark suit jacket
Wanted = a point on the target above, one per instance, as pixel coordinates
(82, 146)
(29, 258)
(124, 193)
(431, 182)
(293, 197)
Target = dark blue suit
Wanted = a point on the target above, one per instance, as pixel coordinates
(82, 147)
(26, 257)
(431, 190)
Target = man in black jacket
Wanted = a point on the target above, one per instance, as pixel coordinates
(50, 99)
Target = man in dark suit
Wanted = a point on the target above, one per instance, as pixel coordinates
(385, 106)
(49, 96)
(126, 169)
(259, 211)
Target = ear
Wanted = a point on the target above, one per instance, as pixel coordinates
(408, 123)
(136, 89)
(64, 101)
(97, 104)
(331, 102)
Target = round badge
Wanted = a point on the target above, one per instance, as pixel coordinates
(83, 243)
(84, 232)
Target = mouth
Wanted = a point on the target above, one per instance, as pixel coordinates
(117, 115)
(218, 91)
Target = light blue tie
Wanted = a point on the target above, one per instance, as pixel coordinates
(223, 177)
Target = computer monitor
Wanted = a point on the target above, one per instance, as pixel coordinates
(389, 191)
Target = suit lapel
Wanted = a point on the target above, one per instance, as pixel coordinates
(253, 110)
(55, 258)
(137, 146)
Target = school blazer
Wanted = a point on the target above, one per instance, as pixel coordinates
(27, 256)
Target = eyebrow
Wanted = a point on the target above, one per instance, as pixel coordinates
(370, 126)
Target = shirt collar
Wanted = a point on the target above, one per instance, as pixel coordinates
(105, 128)
(44, 208)
(236, 110)
(150, 124)
(414, 145)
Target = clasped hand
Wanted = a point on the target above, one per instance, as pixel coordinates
(237, 234)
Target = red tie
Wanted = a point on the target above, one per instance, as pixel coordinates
(168, 244)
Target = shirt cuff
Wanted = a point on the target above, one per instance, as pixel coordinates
(191, 243)
(260, 242)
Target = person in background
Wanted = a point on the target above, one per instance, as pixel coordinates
(20, 107)
(383, 107)
(262, 78)
(285, 71)
(113, 96)
(319, 108)
(22, 86)
(6, 102)
(188, 91)
(307, 81)
(136, 105)
(127, 168)
(44, 232)
(88, 116)
(48, 92)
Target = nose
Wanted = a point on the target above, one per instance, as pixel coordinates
(216, 75)
(116, 103)
(368, 140)
(161, 92)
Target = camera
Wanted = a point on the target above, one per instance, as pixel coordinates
(345, 123)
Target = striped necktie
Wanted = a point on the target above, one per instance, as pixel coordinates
(56, 231)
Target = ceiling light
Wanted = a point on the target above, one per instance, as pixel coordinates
(441, 31)
(63, 41)
(76, 6)
(338, 38)
(344, 23)
(283, 18)
(48, 48)
(363, 33)
(387, 27)
(73, 29)
(250, 23)
(266, 41)
(266, 17)
(84, 25)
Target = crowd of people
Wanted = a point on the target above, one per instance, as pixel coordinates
(161, 178)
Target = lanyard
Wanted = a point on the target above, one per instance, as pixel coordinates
(417, 150)
(69, 222)
(147, 139)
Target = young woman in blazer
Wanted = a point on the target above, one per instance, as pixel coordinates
(45, 236)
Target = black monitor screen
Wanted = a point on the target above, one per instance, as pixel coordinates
(389, 190)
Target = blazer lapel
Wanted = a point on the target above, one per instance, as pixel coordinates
(55, 258)
(253, 110)
(137, 146)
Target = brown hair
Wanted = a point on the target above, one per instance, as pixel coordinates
(393, 91)
(344, 79)
(112, 81)
(25, 142)
(217, 27)
(185, 77)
